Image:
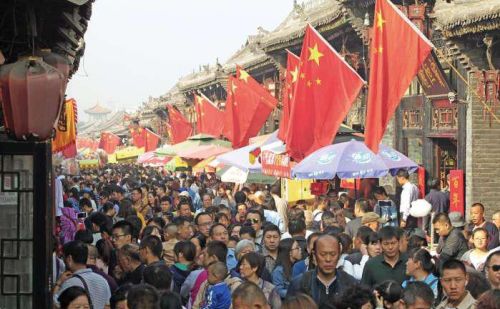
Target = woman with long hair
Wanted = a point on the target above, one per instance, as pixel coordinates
(251, 268)
(420, 267)
(288, 254)
(153, 203)
(74, 297)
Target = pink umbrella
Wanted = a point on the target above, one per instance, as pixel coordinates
(151, 159)
(203, 152)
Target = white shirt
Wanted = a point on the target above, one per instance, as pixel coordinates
(281, 207)
(58, 202)
(287, 235)
(408, 195)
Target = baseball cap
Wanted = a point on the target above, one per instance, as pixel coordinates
(456, 219)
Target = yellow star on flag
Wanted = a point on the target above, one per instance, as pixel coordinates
(380, 20)
(302, 75)
(233, 88)
(244, 75)
(318, 81)
(315, 54)
(309, 83)
(295, 74)
(378, 50)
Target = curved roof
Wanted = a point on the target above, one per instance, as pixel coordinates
(315, 12)
(98, 109)
(462, 17)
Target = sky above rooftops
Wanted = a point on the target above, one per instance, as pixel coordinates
(136, 49)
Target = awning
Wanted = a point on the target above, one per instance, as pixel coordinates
(203, 152)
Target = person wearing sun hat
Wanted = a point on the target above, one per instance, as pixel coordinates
(372, 220)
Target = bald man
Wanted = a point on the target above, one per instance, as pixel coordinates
(326, 281)
(249, 296)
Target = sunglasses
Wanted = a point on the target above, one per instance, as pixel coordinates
(495, 268)
(253, 221)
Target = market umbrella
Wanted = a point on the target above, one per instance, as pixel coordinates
(176, 164)
(241, 156)
(191, 142)
(352, 160)
(204, 166)
(203, 152)
(236, 175)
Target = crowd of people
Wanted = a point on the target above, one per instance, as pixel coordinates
(137, 237)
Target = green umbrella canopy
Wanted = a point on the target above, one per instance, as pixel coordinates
(193, 141)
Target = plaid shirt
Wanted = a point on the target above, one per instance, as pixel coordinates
(270, 261)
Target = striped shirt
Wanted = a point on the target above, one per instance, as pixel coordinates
(98, 287)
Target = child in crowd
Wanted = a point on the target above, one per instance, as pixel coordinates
(218, 294)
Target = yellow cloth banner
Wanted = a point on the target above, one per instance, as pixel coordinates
(66, 127)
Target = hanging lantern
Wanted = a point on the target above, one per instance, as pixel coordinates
(61, 63)
(32, 94)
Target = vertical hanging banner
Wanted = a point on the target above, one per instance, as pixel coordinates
(432, 78)
(457, 191)
(65, 139)
(421, 181)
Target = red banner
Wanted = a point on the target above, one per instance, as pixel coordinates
(421, 181)
(277, 165)
(457, 191)
(348, 183)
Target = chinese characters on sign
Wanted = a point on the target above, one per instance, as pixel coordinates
(457, 191)
(432, 78)
(277, 165)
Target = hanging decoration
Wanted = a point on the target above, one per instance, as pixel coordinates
(32, 94)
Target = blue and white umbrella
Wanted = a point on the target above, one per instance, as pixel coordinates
(352, 160)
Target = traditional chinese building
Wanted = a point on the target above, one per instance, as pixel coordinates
(447, 118)
(97, 112)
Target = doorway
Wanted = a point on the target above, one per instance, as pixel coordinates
(445, 159)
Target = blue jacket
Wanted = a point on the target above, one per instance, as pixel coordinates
(178, 277)
(299, 268)
(430, 280)
(218, 296)
(280, 281)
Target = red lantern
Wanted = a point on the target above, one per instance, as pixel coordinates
(61, 63)
(32, 94)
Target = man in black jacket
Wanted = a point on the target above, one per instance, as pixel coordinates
(326, 281)
(452, 243)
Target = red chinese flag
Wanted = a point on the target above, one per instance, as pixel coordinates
(231, 120)
(326, 88)
(138, 137)
(180, 128)
(70, 151)
(292, 73)
(398, 50)
(254, 93)
(210, 118)
(247, 108)
(197, 107)
(152, 140)
(109, 142)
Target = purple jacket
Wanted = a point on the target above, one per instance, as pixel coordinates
(69, 223)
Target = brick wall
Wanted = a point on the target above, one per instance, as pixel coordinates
(483, 168)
